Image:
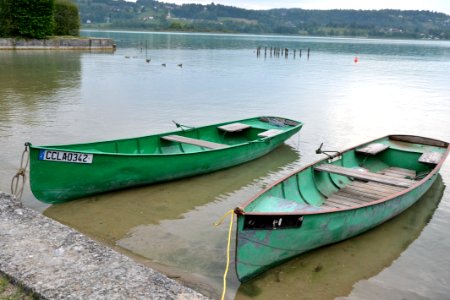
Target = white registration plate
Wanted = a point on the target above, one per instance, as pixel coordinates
(62, 156)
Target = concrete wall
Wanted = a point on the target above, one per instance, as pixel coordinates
(53, 261)
(57, 44)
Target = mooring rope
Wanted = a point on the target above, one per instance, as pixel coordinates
(228, 248)
(17, 185)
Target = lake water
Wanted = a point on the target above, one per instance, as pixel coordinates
(395, 87)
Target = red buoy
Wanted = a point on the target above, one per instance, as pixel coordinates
(356, 59)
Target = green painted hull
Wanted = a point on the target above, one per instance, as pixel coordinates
(145, 160)
(302, 201)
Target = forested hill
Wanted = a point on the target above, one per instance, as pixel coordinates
(154, 15)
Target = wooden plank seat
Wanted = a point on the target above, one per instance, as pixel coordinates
(432, 158)
(196, 142)
(270, 133)
(365, 175)
(234, 127)
(373, 148)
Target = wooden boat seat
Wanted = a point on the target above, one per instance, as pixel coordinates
(196, 142)
(432, 158)
(270, 133)
(365, 175)
(373, 148)
(234, 127)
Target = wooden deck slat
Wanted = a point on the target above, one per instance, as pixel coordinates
(326, 205)
(197, 142)
(369, 190)
(398, 173)
(365, 191)
(339, 203)
(377, 186)
(330, 204)
(406, 172)
(270, 133)
(342, 203)
(359, 195)
(350, 200)
(391, 187)
(234, 127)
(361, 199)
(373, 148)
(364, 175)
(394, 189)
(430, 158)
(392, 174)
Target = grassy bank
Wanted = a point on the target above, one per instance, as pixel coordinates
(10, 291)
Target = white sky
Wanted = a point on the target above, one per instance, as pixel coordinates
(432, 5)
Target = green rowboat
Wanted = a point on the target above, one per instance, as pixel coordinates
(61, 173)
(334, 199)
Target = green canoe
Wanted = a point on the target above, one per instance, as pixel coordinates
(334, 199)
(61, 173)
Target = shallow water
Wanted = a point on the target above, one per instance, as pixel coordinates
(396, 87)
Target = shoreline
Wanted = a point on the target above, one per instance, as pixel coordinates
(58, 43)
(53, 261)
(318, 37)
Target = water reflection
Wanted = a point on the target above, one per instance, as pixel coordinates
(331, 271)
(30, 81)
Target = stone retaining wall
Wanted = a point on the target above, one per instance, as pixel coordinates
(58, 44)
(54, 261)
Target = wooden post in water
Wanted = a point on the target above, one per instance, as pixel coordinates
(300, 53)
(286, 53)
(258, 51)
(308, 54)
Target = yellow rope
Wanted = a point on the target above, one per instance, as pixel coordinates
(228, 248)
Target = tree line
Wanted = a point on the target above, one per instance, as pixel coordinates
(155, 15)
(38, 18)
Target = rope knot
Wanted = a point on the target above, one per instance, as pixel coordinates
(20, 172)
(17, 185)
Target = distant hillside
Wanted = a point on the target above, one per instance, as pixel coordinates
(154, 15)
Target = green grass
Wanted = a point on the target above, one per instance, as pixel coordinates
(10, 291)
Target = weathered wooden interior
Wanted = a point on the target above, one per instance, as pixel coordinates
(362, 190)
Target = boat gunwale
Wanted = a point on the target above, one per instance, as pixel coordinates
(259, 140)
(240, 210)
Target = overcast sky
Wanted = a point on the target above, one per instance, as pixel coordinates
(433, 5)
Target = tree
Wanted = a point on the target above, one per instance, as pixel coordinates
(33, 18)
(67, 18)
(5, 18)
(27, 18)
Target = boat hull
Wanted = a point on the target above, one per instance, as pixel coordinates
(60, 181)
(260, 250)
(334, 199)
